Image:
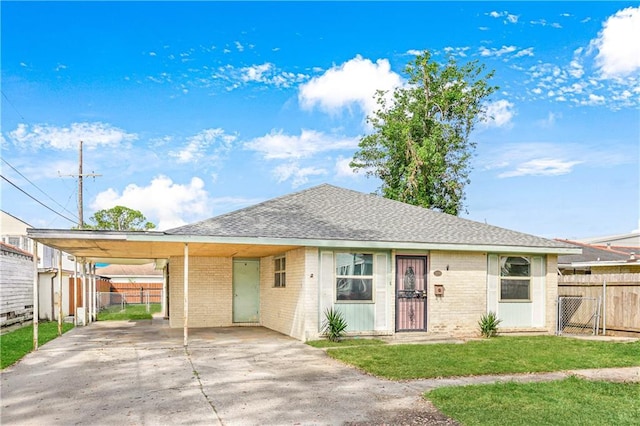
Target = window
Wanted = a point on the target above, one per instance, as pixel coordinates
(515, 278)
(280, 274)
(354, 277)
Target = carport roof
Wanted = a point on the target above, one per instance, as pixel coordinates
(322, 216)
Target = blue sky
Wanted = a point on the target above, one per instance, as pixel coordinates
(190, 110)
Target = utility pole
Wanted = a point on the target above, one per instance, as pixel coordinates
(81, 175)
(80, 202)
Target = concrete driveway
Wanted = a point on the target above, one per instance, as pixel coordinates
(138, 373)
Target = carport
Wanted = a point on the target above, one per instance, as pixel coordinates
(136, 247)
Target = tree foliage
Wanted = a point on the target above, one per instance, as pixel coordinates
(119, 218)
(420, 146)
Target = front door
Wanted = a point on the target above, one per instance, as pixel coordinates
(246, 290)
(411, 293)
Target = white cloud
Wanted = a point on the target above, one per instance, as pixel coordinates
(496, 52)
(208, 145)
(298, 175)
(546, 159)
(342, 167)
(62, 138)
(524, 52)
(456, 51)
(499, 113)
(513, 19)
(163, 202)
(278, 145)
(550, 120)
(414, 52)
(618, 53)
(541, 167)
(352, 83)
(256, 72)
(266, 73)
(509, 17)
(239, 46)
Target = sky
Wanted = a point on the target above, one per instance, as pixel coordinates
(191, 110)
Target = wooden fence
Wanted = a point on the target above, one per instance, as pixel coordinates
(621, 302)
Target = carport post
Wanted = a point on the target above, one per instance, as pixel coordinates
(60, 310)
(36, 296)
(186, 293)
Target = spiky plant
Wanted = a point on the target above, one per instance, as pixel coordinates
(334, 325)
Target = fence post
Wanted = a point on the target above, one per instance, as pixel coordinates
(559, 322)
(604, 307)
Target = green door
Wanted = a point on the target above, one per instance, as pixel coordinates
(246, 290)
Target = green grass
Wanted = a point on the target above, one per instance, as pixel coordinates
(564, 402)
(499, 355)
(344, 343)
(130, 312)
(16, 344)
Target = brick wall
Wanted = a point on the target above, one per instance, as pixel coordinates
(465, 292)
(551, 287)
(210, 292)
(282, 308)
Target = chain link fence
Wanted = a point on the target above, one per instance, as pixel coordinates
(123, 299)
(578, 315)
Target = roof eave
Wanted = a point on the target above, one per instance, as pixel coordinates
(381, 245)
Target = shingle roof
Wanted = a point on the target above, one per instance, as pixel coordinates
(594, 253)
(327, 212)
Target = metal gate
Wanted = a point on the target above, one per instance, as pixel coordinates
(411, 293)
(578, 315)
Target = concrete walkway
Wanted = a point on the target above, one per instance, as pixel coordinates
(138, 373)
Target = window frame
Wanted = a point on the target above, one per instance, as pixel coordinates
(350, 276)
(523, 278)
(280, 274)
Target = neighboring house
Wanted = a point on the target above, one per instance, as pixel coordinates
(599, 259)
(389, 267)
(621, 240)
(16, 285)
(13, 231)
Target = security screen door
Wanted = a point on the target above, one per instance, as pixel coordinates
(411, 293)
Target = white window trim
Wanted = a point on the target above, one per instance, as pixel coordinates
(529, 278)
(336, 276)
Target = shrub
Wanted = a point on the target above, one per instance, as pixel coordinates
(489, 324)
(334, 325)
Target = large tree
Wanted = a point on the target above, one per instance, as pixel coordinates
(420, 145)
(119, 218)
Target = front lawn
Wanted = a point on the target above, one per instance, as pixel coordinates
(16, 344)
(564, 402)
(130, 312)
(499, 355)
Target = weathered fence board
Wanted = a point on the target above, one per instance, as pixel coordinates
(621, 306)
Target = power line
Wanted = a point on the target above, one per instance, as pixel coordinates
(36, 200)
(12, 105)
(38, 188)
